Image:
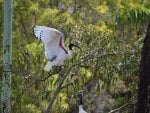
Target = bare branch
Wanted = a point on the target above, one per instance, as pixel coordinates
(122, 107)
(66, 85)
(61, 80)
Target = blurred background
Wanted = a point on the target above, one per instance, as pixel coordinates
(110, 33)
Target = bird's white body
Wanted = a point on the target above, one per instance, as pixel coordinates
(81, 110)
(53, 41)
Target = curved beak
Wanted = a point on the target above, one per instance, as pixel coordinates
(71, 45)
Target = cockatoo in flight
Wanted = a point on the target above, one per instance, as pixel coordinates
(55, 50)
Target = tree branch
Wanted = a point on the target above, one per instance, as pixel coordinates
(122, 107)
(61, 80)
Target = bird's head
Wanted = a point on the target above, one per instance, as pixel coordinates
(80, 95)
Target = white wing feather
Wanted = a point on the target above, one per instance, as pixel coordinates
(47, 34)
(51, 39)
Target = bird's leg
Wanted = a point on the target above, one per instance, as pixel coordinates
(60, 63)
(48, 66)
(52, 63)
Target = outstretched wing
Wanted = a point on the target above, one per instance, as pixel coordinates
(48, 35)
(53, 40)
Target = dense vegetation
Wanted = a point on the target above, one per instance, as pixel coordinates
(110, 33)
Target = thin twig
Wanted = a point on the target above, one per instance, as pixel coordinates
(66, 85)
(122, 107)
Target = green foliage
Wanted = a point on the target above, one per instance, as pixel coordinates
(110, 33)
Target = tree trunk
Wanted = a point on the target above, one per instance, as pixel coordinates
(143, 99)
(7, 42)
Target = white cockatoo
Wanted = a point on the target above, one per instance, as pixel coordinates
(55, 50)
